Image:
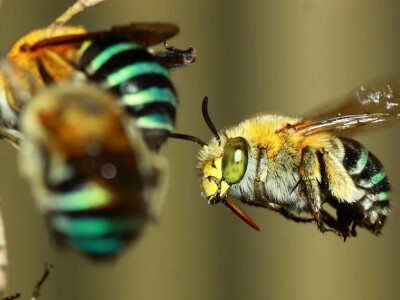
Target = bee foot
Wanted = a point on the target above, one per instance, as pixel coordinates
(175, 58)
(323, 229)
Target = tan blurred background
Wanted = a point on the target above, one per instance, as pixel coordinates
(286, 56)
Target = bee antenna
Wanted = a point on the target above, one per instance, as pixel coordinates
(187, 137)
(207, 118)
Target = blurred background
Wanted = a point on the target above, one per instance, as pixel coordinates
(284, 56)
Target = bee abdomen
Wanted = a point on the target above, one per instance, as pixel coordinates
(86, 220)
(97, 236)
(368, 174)
(365, 169)
(143, 85)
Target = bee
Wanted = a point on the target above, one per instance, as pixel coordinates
(299, 165)
(117, 60)
(92, 175)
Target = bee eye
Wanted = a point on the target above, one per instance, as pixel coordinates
(234, 160)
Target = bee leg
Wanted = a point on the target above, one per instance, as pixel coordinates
(336, 224)
(311, 175)
(175, 58)
(295, 218)
(314, 202)
(281, 210)
(348, 215)
(260, 195)
(11, 135)
(157, 182)
(353, 229)
(314, 198)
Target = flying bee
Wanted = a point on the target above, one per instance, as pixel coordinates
(92, 175)
(116, 59)
(297, 165)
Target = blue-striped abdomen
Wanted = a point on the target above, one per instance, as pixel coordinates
(87, 220)
(95, 180)
(368, 174)
(141, 82)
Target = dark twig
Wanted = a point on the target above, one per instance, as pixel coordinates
(12, 297)
(38, 285)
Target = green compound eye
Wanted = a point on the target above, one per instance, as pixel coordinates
(234, 160)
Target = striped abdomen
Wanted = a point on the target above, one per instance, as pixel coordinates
(138, 79)
(97, 205)
(88, 218)
(368, 174)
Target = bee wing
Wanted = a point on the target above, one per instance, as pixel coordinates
(21, 82)
(374, 103)
(154, 169)
(147, 34)
(157, 186)
(17, 86)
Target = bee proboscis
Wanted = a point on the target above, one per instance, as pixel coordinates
(298, 165)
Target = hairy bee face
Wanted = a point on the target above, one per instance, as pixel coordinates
(211, 170)
(228, 170)
(224, 165)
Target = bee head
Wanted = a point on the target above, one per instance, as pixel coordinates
(220, 171)
(222, 167)
(223, 163)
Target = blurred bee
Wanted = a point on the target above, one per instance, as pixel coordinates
(91, 174)
(116, 59)
(293, 165)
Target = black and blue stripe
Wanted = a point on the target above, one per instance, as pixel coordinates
(132, 73)
(87, 217)
(368, 174)
(96, 232)
(99, 220)
(366, 170)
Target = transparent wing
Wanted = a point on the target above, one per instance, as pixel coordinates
(372, 104)
(147, 34)
(20, 83)
(17, 87)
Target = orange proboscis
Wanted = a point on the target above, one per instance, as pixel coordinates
(231, 204)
